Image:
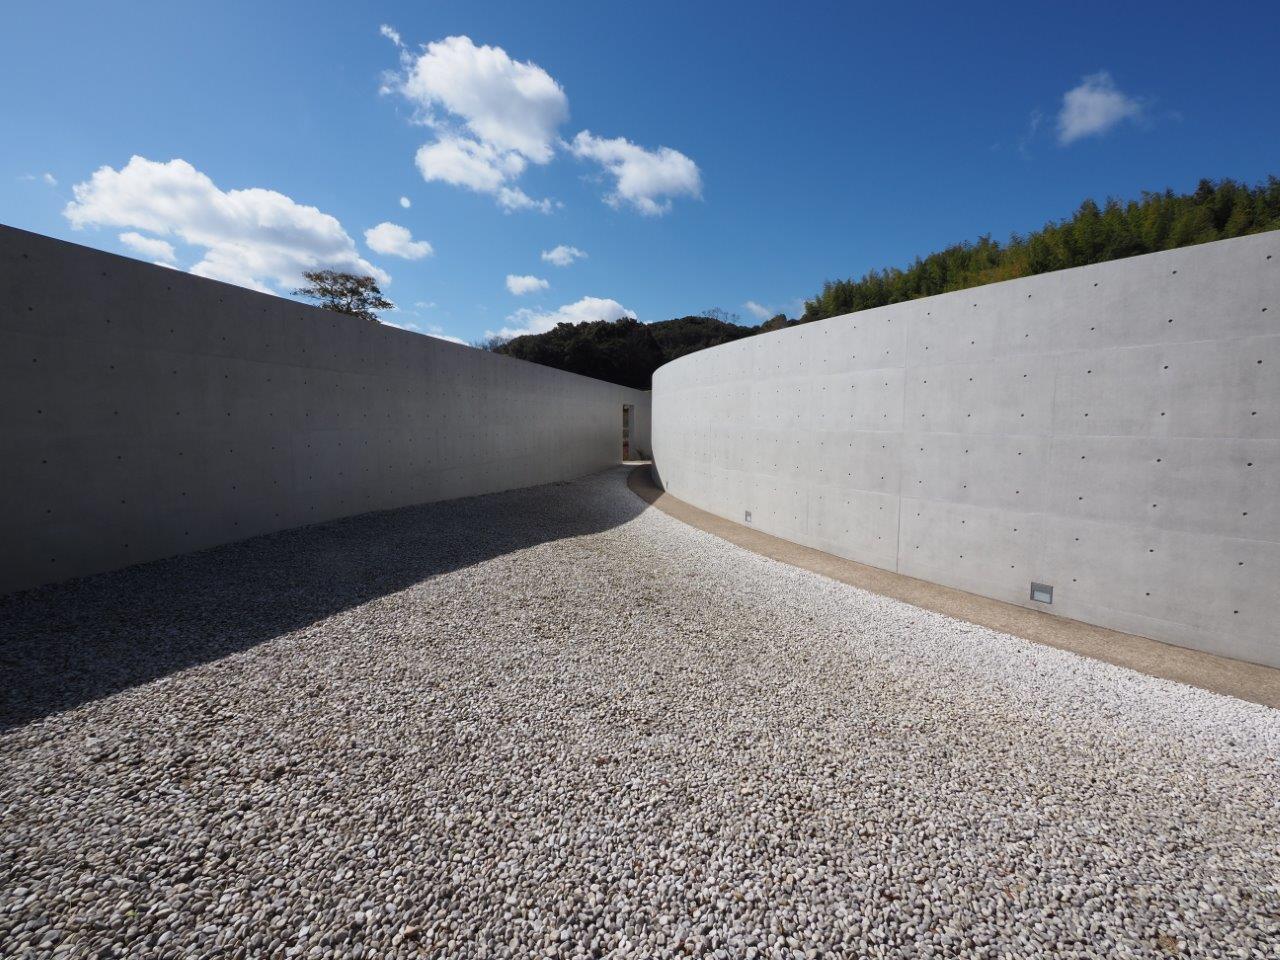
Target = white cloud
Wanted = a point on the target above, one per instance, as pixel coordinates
(47, 178)
(509, 105)
(646, 179)
(251, 237)
(430, 330)
(587, 309)
(468, 163)
(392, 34)
(150, 247)
(396, 241)
(439, 334)
(563, 255)
(478, 166)
(763, 311)
(525, 284)
(404, 202)
(493, 116)
(1094, 107)
(513, 198)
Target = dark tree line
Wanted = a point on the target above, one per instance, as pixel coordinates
(1159, 221)
(628, 352)
(622, 351)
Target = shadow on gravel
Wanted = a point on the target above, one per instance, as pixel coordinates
(71, 643)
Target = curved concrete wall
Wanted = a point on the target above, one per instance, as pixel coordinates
(147, 412)
(1113, 431)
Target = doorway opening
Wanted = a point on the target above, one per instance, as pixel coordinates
(628, 417)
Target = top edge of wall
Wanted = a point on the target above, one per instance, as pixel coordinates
(17, 235)
(1127, 263)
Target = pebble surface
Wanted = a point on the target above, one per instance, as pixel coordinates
(553, 723)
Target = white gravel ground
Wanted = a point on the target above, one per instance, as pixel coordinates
(441, 732)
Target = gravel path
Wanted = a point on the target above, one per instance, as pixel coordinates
(440, 732)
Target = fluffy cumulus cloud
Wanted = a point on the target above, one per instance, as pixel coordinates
(562, 255)
(255, 238)
(493, 116)
(396, 241)
(152, 248)
(478, 166)
(645, 179)
(1094, 107)
(757, 310)
(520, 285)
(509, 105)
(526, 320)
(468, 163)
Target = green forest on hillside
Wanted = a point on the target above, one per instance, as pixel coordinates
(623, 351)
(627, 351)
(1159, 221)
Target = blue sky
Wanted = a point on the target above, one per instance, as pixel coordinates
(699, 154)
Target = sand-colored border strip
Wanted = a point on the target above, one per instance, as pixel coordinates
(1235, 678)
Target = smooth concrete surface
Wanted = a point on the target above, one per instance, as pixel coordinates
(1217, 674)
(1111, 430)
(148, 412)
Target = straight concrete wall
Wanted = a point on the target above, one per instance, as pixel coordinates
(145, 412)
(1112, 430)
